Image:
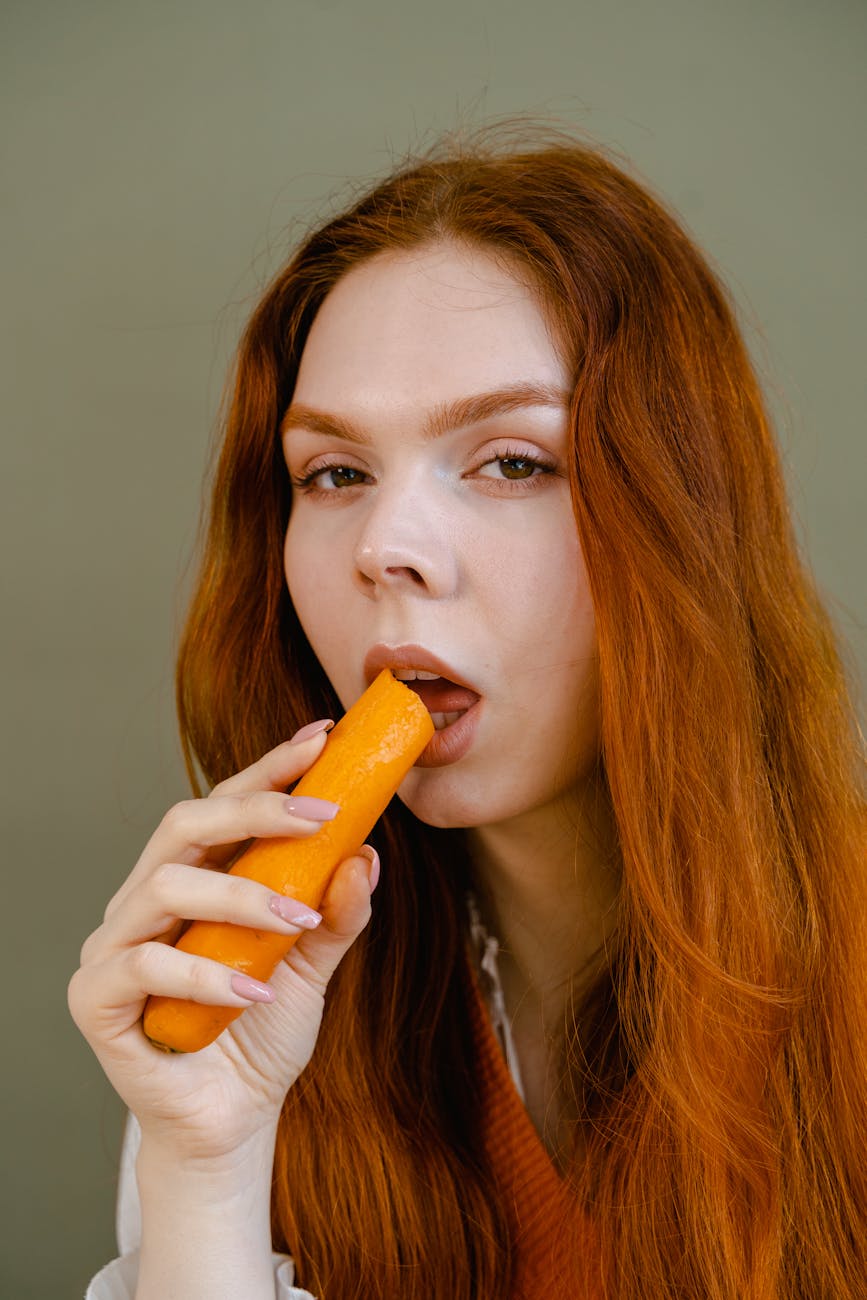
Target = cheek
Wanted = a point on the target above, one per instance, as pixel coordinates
(310, 583)
(543, 582)
(559, 650)
(323, 611)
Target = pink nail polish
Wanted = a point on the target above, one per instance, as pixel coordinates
(312, 729)
(311, 809)
(251, 989)
(295, 913)
(369, 852)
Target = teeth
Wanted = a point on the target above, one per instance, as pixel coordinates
(443, 720)
(410, 675)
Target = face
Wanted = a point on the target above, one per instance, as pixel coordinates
(432, 527)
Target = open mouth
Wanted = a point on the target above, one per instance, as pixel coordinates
(446, 701)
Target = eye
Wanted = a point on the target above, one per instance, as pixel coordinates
(332, 478)
(513, 467)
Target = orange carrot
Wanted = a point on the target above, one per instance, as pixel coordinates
(365, 758)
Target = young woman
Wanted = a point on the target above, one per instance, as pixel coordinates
(602, 1033)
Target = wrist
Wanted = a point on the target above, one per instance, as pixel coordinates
(163, 1153)
(206, 1222)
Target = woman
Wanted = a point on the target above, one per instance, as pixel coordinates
(602, 1034)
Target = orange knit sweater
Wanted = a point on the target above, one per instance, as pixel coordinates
(552, 1241)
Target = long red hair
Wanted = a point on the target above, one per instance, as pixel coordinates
(717, 1066)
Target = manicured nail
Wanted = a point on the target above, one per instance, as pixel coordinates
(312, 729)
(369, 852)
(295, 913)
(251, 989)
(312, 810)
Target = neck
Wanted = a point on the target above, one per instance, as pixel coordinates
(547, 882)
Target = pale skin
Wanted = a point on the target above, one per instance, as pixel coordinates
(424, 540)
(433, 541)
(209, 1119)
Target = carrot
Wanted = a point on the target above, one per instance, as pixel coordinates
(365, 758)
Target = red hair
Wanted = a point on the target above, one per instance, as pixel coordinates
(717, 1066)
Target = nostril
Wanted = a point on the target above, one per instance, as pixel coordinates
(395, 571)
(414, 564)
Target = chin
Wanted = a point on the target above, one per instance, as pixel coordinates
(437, 801)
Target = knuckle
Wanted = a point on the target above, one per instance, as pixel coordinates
(163, 882)
(147, 960)
(255, 812)
(200, 979)
(237, 890)
(180, 819)
(252, 805)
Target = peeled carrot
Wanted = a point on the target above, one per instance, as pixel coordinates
(365, 758)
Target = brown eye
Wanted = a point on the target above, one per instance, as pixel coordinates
(344, 476)
(517, 467)
(329, 478)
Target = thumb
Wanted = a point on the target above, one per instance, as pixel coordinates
(345, 912)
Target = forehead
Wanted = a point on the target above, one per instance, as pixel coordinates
(428, 324)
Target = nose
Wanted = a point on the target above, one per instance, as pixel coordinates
(406, 545)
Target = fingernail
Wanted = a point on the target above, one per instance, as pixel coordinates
(251, 989)
(295, 913)
(312, 810)
(369, 852)
(312, 729)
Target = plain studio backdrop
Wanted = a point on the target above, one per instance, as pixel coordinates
(158, 160)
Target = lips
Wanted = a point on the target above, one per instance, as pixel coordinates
(411, 657)
(439, 686)
(443, 696)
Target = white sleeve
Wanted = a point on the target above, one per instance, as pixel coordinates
(118, 1280)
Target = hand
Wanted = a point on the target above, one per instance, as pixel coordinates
(210, 1103)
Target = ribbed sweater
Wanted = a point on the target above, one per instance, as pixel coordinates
(552, 1242)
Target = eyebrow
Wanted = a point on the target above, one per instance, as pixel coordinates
(442, 418)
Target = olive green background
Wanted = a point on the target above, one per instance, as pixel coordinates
(157, 160)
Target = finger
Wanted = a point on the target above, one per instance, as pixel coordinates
(281, 765)
(178, 891)
(345, 912)
(105, 999)
(210, 830)
(194, 828)
(181, 837)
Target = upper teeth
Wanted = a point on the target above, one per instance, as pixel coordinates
(410, 675)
